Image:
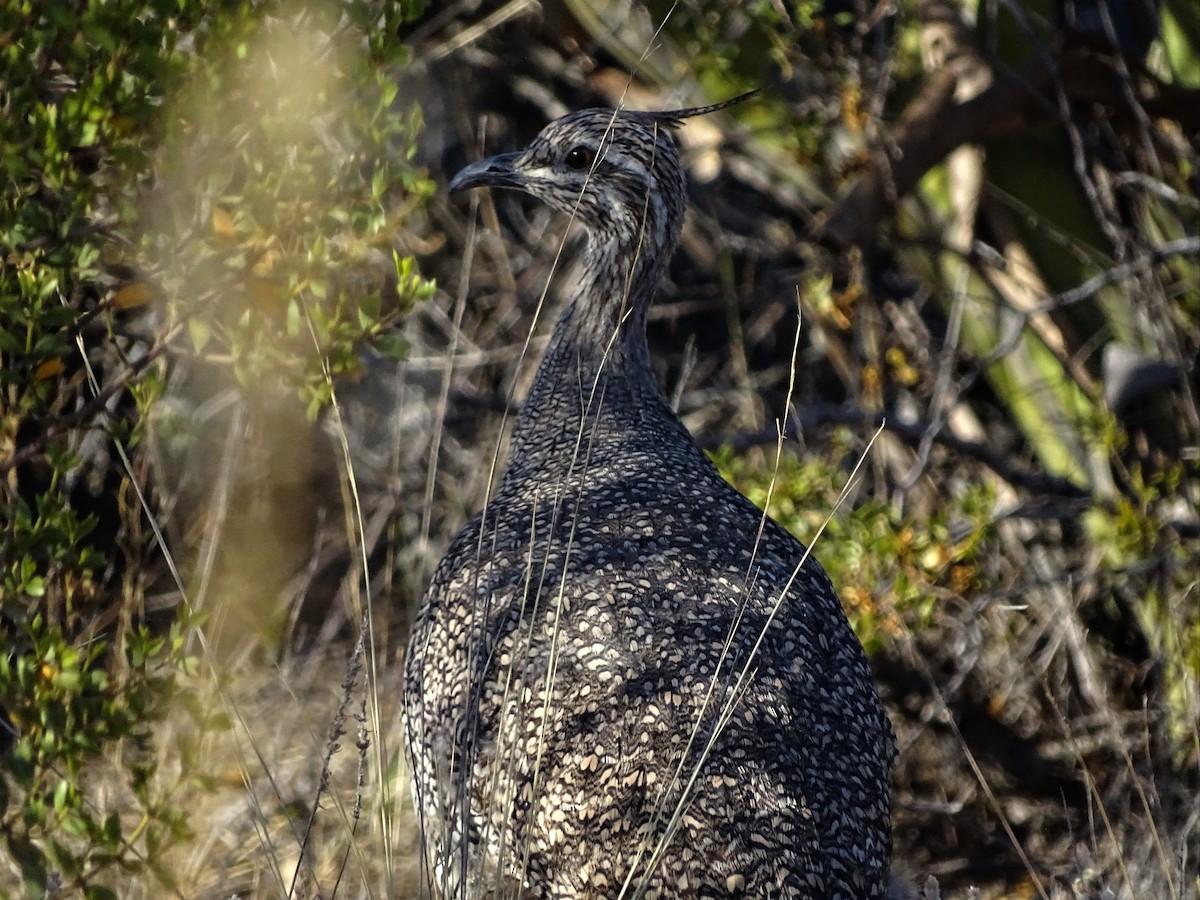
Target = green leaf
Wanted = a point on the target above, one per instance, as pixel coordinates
(62, 792)
(1181, 40)
(112, 829)
(35, 869)
(199, 333)
(67, 862)
(390, 344)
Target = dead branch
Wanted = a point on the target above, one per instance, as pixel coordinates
(936, 122)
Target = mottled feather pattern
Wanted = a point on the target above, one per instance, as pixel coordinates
(624, 681)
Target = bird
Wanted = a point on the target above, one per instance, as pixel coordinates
(624, 679)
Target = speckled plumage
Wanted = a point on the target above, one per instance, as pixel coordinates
(624, 681)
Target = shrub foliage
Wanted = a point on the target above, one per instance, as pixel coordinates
(216, 182)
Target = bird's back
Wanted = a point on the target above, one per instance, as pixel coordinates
(638, 685)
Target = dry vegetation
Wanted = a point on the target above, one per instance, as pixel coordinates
(1018, 552)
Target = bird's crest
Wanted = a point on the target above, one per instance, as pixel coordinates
(674, 117)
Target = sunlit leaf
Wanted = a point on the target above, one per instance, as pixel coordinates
(222, 224)
(49, 369)
(131, 295)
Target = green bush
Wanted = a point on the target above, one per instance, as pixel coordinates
(890, 569)
(136, 226)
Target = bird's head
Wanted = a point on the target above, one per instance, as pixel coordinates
(618, 173)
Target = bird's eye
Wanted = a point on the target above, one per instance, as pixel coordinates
(579, 158)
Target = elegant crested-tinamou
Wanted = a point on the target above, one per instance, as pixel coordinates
(624, 680)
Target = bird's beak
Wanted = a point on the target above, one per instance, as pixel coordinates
(495, 171)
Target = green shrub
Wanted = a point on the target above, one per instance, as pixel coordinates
(890, 569)
(122, 190)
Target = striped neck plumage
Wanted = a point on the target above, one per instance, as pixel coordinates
(620, 273)
(596, 370)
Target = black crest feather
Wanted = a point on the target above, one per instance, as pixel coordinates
(674, 117)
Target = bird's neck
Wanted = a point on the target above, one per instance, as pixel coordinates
(604, 324)
(595, 378)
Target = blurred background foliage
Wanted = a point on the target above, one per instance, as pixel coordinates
(189, 188)
(236, 413)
